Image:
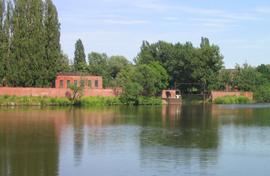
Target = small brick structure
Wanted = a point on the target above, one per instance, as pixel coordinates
(170, 94)
(171, 97)
(217, 94)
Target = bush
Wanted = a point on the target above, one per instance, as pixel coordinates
(130, 95)
(33, 101)
(100, 101)
(232, 100)
(262, 94)
(149, 101)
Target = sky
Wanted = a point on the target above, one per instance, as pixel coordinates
(241, 28)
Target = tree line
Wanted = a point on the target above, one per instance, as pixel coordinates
(30, 51)
(31, 56)
(247, 78)
(158, 66)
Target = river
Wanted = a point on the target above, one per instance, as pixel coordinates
(186, 140)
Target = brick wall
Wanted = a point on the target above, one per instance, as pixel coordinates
(55, 92)
(216, 94)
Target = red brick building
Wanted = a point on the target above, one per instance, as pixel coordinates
(63, 80)
(93, 86)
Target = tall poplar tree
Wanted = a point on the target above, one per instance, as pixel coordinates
(8, 29)
(28, 43)
(2, 39)
(30, 51)
(79, 56)
(6, 49)
(53, 57)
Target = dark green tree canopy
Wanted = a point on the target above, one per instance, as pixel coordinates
(30, 43)
(184, 62)
(79, 56)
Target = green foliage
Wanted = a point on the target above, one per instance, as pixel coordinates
(100, 101)
(264, 70)
(149, 101)
(54, 59)
(184, 62)
(77, 93)
(262, 93)
(84, 101)
(79, 56)
(131, 93)
(142, 80)
(232, 100)
(145, 76)
(248, 78)
(116, 64)
(107, 67)
(33, 101)
(161, 76)
(30, 43)
(98, 65)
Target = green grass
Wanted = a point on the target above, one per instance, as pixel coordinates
(84, 101)
(99, 101)
(150, 101)
(192, 99)
(33, 101)
(232, 100)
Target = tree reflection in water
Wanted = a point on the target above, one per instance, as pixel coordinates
(53, 141)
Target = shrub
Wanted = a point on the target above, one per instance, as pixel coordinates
(232, 100)
(130, 95)
(100, 101)
(262, 94)
(150, 101)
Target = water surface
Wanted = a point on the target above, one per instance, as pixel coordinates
(148, 141)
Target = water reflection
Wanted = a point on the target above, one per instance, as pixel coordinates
(168, 140)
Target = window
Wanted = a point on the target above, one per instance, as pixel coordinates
(96, 83)
(68, 83)
(61, 83)
(75, 83)
(82, 83)
(89, 84)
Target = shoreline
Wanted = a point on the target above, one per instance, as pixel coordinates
(10, 101)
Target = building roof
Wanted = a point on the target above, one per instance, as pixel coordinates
(73, 74)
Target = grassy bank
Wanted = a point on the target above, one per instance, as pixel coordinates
(84, 101)
(193, 99)
(232, 100)
(33, 101)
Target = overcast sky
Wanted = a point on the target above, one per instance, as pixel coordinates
(117, 27)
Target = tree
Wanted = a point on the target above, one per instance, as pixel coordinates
(53, 60)
(248, 78)
(131, 93)
(79, 56)
(209, 64)
(161, 76)
(145, 76)
(264, 70)
(2, 40)
(28, 44)
(116, 64)
(76, 93)
(98, 65)
(152, 78)
(184, 62)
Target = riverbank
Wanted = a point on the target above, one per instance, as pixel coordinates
(233, 100)
(84, 101)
